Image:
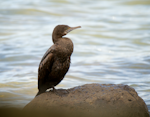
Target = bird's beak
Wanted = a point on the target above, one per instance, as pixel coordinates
(70, 29)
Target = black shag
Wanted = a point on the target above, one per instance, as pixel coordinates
(56, 61)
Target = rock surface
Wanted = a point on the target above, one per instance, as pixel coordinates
(103, 100)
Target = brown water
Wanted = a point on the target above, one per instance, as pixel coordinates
(113, 45)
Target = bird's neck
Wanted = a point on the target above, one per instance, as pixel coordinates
(56, 37)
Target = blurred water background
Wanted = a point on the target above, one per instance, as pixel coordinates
(113, 45)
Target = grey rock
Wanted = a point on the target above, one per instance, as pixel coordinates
(103, 100)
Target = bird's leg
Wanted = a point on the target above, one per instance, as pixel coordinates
(54, 90)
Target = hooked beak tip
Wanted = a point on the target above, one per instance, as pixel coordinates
(79, 26)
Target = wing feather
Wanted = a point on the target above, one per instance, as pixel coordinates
(45, 66)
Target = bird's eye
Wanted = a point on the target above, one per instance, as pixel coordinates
(66, 28)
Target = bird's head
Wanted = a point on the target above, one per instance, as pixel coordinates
(61, 30)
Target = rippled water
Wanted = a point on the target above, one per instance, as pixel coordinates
(113, 45)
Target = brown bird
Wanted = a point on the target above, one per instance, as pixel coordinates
(56, 61)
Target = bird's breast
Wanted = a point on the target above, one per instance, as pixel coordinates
(63, 54)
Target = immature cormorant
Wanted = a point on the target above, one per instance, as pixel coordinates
(56, 61)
